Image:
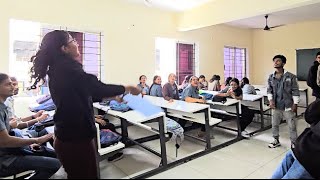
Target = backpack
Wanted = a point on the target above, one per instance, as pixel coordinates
(108, 138)
(115, 105)
(219, 99)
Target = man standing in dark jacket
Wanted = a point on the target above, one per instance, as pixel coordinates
(312, 77)
(284, 96)
(303, 161)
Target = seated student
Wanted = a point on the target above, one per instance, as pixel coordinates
(303, 160)
(11, 164)
(191, 94)
(21, 123)
(247, 114)
(144, 88)
(185, 82)
(155, 88)
(105, 124)
(214, 83)
(203, 83)
(226, 85)
(246, 87)
(170, 89)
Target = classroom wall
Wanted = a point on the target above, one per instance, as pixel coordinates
(128, 51)
(283, 40)
(223, 11)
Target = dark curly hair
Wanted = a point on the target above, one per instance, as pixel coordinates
(48, 53)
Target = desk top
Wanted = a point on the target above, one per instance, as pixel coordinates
(176, 104)
(132, 116)
(246, 97)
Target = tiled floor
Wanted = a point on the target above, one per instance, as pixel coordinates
(246, 159)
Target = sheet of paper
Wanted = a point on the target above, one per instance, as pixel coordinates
(142, 105)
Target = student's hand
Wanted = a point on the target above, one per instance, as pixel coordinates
(201, 101)
(272, 104)
(98, 116)
(38, 114)
(42, 117)
(13, 123)
(35, 147)
(233, 95)
(44, 139)
(101, 122)
(132, 90)
(294, 108)
(171, 100)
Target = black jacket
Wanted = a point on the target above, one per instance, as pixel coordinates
(307, 147)
(72, 90)
(312, 80)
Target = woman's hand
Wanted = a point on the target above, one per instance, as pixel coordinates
(38, 114)
(132, 90)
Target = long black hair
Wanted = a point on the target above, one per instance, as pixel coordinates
(49, 51)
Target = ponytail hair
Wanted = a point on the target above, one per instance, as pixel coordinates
(48, 53)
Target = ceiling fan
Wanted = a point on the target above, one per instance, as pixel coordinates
(147, 3)
(267, 28)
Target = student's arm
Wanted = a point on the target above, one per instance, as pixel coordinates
(318, 76)
(165, 92)
(91, 83)
(194, 100)
(311, 78)
(223, 93)
(295, 93)
(270, 93)
(159, 91)
(237, 97)
(7, 141)
(186, 96)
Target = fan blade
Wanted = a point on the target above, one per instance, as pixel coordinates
(276, 26)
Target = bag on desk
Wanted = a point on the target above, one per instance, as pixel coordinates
(123, 107)
(108, 138)
(219, 99)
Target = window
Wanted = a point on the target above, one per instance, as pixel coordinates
(176, 57)
(185, 61)
(25, 37)
(235, 64)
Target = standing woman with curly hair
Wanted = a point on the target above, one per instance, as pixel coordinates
(72, 91)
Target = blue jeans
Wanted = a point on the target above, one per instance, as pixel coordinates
(290, 168)
(44, 167)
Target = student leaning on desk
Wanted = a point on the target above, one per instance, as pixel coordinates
(247, 114)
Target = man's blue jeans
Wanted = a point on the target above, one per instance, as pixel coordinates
(290, 168)
(44, 167)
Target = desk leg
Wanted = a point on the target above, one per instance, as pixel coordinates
(261, 113)
(124, 131)
(164, 160)
(307, 100)
(238, 118)
(207, 126)
(98, 160)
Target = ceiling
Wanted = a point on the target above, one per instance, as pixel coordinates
(304, 13)
(172, 5)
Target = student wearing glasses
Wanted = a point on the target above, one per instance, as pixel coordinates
(72, 91)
